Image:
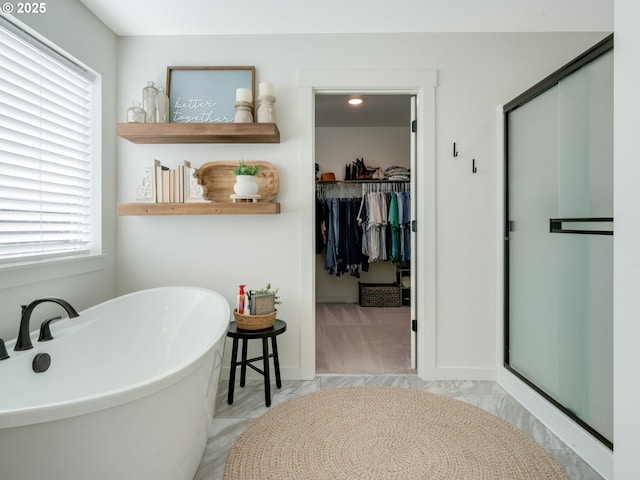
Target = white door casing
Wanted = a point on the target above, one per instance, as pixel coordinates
(422, 84)
(413, 246)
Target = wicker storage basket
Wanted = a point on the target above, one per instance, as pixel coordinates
(254, 322)
(379, 295)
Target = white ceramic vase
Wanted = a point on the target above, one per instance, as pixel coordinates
(245, 185)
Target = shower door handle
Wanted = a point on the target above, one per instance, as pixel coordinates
(581, 226)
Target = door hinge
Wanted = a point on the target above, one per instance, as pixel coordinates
(414, 325)
(509, 229)
(414, 126)
(414, 226)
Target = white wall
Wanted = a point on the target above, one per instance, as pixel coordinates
(72, 27)
(475, 73)
(337, 147)
(381, 147)
(626, 240)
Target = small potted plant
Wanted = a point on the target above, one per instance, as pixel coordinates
(271, 296)
(246, 184)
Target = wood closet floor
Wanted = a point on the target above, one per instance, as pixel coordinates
(355, 339)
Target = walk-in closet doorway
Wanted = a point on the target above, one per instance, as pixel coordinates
(364, 154)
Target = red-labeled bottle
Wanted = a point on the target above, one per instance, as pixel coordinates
(241, 299)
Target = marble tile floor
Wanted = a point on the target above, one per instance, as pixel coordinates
(231, 420)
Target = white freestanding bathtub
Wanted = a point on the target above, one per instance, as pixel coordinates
(129, 394)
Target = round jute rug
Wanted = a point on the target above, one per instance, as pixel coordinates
(385, 433)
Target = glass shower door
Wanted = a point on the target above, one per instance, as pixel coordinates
(560, 246)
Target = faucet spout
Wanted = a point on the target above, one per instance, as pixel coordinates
(23, 341)
(3, 351)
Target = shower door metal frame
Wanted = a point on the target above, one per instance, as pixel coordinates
(552, 80)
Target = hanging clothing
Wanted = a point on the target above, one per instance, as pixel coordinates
(332, 257)
(386, 219)
(321, 230)
(404, 219)
(344, 237)
(354, 231)
(394, 223)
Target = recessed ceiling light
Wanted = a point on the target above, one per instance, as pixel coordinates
(355, 101)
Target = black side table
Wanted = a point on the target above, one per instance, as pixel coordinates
(279, 326)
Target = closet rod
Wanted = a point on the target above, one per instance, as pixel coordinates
(378, 180)
(393, 186)
(357, 188)
(338, 190)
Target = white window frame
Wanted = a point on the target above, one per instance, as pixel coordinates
(23, 270)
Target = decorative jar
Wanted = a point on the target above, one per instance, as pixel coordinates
(162, 106)
(149, 101)
(135, 114)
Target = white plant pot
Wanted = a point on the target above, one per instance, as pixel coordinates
(245, 185)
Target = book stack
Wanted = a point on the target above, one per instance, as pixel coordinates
(162, 184)
(171, 185)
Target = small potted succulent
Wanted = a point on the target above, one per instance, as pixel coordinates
(246, 184)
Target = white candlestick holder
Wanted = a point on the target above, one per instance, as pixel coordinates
(266, 109)
(243, 112)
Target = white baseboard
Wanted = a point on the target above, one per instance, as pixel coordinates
(456, 373)
(292, 373)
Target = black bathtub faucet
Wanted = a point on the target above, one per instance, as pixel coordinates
(24, 339)
(3, 351)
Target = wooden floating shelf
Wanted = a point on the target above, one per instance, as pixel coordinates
(199, 132)
(214, 208)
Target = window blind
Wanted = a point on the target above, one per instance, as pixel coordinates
(45, 149)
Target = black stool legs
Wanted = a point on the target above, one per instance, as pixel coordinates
(265, 369)
(232, 372)
(267, 382)
(276, 361)
(245, 336)
(243, 367)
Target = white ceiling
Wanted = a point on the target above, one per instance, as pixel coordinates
(206, 17)
(375, 111)
(210, 17)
